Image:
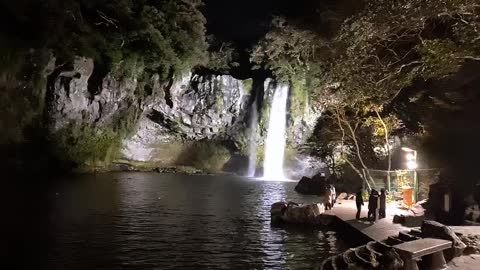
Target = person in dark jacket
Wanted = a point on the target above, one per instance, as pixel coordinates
(383, 203)
(373, 205)
(359, 201)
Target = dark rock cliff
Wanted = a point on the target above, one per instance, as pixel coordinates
(155, 123)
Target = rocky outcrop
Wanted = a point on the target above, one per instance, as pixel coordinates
(316, 185)
(159, 119)
(472, 242)
(72, 97)
(293, 213)
(434, 229)
(197, 107)
(374, 255)
(201, 106)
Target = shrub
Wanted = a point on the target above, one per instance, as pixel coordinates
(85, 147)
(205, 155)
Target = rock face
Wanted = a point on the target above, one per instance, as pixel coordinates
(74, 99)
(197, 107)
(164, 116)
(434, 229)
(201, 106)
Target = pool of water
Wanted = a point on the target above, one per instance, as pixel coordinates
(166, 221)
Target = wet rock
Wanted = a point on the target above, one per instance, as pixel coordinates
(301, 214)
(374, 255)
(276, 212)
(437, 230)
(294, 213)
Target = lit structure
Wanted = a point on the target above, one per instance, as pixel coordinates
(412, 165)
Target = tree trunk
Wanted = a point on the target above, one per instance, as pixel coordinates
(387, 146)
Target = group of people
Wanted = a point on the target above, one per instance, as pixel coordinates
(375, 201)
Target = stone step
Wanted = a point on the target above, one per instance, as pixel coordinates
(416, 232)
(405, 236)
(379, 246)
(393, 240)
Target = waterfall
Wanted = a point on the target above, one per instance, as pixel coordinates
(275, 143)
(252, 157)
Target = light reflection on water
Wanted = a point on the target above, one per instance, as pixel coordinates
(161, 221)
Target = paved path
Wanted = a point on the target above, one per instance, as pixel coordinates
(378, 230)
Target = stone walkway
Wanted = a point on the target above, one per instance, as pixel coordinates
(378, 230)
(383, 228)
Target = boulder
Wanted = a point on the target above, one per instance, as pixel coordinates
(374, 255)
(276, 212)
(472, 242)
(312, 186)
(399, 219)
(301, 214)
(282, 212)
(437, 230)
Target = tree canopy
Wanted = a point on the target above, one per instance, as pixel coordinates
(388, 68)
(168, 36)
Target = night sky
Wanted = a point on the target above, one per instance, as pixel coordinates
(239, 21)
(246, 21)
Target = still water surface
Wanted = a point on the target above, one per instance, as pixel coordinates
(166, 221)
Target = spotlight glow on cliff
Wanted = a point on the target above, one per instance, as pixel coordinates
(275, 143)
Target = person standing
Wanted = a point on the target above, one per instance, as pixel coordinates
(383, 203)
(333, 195)
(327, 198)
(373, 205)
(359, 201)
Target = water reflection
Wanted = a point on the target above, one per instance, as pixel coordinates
(146, 221)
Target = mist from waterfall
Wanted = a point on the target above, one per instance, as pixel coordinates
(252, 157)
(275, 143)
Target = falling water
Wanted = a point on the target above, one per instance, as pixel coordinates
(275, 143)
(252, 159)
